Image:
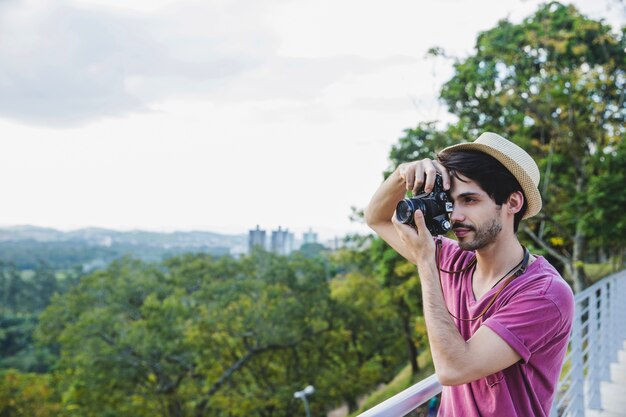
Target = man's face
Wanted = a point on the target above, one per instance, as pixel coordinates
(476, 218)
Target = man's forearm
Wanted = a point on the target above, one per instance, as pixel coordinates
(448, 348)
(383, 202)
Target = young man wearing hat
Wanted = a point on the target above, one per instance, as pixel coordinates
(498, 318)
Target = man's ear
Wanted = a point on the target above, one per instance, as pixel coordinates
(515, 202)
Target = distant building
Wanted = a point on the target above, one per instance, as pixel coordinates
(282, 241)
(335, 244)
(309, 237)
(256, 237)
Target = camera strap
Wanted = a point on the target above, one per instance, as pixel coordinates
(517, 270)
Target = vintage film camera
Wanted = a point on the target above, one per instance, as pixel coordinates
(435, 205)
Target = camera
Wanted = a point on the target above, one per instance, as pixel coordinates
(435, 205)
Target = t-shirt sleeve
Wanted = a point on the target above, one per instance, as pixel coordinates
(530, 320)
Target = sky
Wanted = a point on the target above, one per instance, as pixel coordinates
(220, 115)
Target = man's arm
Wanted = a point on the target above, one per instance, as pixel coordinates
(411, 176)
(456, 361)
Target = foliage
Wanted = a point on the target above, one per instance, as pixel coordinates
(23, 295)
(30, 395)
(423, 141)
(198, 335)
(605, 222)
(16, 345)
(555, 85)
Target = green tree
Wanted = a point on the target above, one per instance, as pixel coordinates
(555, 85)
(45, 285)
(373, 338)
(198, 336)
(422, 141)
(28, 395)
(17, 349)
(606, 222)
(14, 288)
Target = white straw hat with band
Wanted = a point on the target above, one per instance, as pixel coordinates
(515, 159)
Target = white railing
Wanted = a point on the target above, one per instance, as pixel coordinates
(597, 335)
(406, 401)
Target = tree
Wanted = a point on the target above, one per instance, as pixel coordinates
(606, 222)
(45, 285)
(28, 395)
(370, 339)
(423, 141)
(400, 279)
(197, 336)
(555, 85)
(13, 288)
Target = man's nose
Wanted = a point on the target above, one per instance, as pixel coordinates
(456, 215)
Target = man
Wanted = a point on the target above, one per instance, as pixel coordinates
(498, 318)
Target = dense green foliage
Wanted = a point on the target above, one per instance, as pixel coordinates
(197, 335)
(23, 295)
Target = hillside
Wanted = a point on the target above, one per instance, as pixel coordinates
(28, 246)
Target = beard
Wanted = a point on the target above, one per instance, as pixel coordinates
(483, 235)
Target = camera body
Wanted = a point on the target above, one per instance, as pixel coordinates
(435, 205)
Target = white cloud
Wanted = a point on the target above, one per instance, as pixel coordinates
(62, 64)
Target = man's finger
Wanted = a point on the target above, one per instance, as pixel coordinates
(420, 224)
(445, 175)
(431, 174)
(410, 177)
(404, 230)
(419, 180)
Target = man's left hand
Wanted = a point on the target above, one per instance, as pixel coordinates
(418, 239)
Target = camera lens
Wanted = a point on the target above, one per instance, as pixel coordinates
(404, 211)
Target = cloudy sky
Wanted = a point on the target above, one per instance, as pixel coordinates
(220, 114)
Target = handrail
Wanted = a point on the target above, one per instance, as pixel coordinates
(597, 335)
(407, 400)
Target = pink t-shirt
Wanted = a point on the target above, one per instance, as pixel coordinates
(533, 314)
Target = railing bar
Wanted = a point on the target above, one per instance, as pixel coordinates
(567, 374)
(407, 400)
(568, 408)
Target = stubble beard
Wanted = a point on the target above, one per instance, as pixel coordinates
(483, 236)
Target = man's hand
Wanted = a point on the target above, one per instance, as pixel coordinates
(418, 240)
(422, 173)
(380, 212)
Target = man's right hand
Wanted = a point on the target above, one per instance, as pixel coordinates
(409, 176)
(421, 174)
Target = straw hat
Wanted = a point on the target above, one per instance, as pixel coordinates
(515, 159)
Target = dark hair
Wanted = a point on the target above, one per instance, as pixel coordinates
(497, 181)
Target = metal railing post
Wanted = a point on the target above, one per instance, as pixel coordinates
(605, 333)
(577, 386)
(621, 297)
(614, 320)
(594, 396)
